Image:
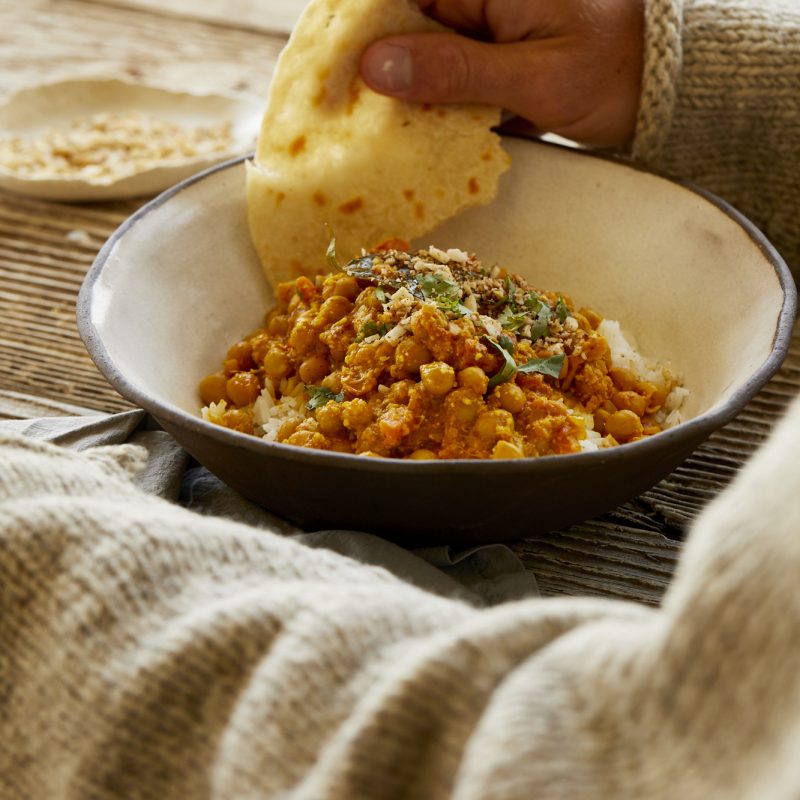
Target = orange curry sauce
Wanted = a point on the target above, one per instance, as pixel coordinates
(429, 355)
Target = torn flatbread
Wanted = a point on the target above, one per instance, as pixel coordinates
(332, 152)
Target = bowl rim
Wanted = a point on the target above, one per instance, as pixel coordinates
(697, 428)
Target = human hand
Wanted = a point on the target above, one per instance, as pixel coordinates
(570, 67)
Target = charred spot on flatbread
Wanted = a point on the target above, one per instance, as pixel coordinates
(331, 152)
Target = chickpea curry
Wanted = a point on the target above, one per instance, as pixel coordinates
(430, 355)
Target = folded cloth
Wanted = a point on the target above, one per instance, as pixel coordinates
(481, 576)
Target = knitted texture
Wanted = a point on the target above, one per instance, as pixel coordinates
(662, 62)
(147, 652)
(735, 106)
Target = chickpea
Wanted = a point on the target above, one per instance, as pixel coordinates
(410, 355)
(657, 399)
(473, 378)
(600, 418)
(632, 401)
(238, 420)
(369, 299)
(511, 397)
(230, 366)
(243, 388)
(333, 382)
(284, 292)
(356, 414)
(399, 392)
(329, 418)
(505, 449)
(423, 455)
(332, 310)
(313, 369)
(303, 338)
(243, 353)
(346, 287)
(276, 364)
(278, 324)
(294, 301)
(465, 406)
(623, 378)
(624, 425)
(212, 388)
(491, 424)
(438, 378)
(595, 347)
(592, 317)
(261, 343)
(583, 323)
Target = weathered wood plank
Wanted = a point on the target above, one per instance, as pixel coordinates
(279, 16)
(47, 39)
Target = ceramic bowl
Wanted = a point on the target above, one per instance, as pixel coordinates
(691, 280)
(32, 109)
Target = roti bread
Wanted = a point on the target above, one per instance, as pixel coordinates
(331, 152)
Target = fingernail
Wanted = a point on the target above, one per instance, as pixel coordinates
(387, 68)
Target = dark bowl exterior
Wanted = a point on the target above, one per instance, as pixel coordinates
(437, 503)
(424, 503)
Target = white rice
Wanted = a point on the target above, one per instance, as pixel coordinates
(271, 414)
(624, 354)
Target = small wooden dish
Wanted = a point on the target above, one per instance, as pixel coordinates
(32, 110)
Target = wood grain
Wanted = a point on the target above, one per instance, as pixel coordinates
(277, 16)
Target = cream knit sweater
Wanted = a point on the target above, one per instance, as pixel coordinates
(146, 652)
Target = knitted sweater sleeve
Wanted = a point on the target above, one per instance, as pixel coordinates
(721, 104)
(146, 652)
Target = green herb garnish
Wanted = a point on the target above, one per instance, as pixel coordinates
(507, 343)
(509, 368)
(511, 290)
(446, 294)
(541, 313)
(562, 312)
(546, 366)
(435, 287)
(370, 329)
(320, 396)
(380, 294)
(511, 320)
(330, 253)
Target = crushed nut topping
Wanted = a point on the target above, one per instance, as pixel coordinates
(109, 146)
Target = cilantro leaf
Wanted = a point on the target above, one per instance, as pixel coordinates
(562, 312)
(330, 253)
(546, 366)
(509, 368)
(511, 320)
(370, 329)
(507, 343)
(541, 313)
(511, 290)
(320, 396)
(435, 287)
(446, 294)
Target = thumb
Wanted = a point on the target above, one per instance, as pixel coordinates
(447, 68)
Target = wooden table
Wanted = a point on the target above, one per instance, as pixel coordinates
(46, 249)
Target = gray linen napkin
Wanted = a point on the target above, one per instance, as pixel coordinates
(482, 576)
